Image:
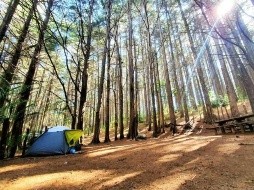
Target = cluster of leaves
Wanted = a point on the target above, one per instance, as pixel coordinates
(241, 94)
(141, 118)
(218, 101)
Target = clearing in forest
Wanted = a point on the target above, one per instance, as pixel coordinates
(184, 162)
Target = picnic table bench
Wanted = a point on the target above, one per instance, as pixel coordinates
(233, 124)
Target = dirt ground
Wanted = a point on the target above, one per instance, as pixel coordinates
(191, 161)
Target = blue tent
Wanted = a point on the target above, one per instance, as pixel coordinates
(53, 142)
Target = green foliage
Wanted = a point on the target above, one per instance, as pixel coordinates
(67, 120)
(218, 101)
(10, 141)
(241, 94)
(50, 42)
(87, 131)
(141, 118)
(7, 110)
(174, 92)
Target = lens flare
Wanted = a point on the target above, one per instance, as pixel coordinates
(224, 7)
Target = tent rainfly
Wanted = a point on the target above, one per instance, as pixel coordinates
(57, 140)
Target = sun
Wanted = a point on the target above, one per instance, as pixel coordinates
(224, 7)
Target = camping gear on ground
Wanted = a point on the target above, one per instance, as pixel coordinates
(57, 140)
(72, 150)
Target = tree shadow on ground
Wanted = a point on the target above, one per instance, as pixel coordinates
(182, 162)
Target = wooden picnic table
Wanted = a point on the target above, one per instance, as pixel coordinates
(232, 123)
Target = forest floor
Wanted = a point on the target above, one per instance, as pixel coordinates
(191, 161)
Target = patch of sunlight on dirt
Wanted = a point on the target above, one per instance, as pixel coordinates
(175, 180)
(108, 150)
(196, 146)
(61, 178)
(168, 158)
(117, 180)
(228, 148)
(206, 138)
(182, 162)
(192, 162)
(131, 148)
(187, 145)
(16, 167)
(103, 148)
(180, 140)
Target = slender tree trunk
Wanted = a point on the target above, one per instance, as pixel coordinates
(168, 82)
(120, 87)
(86, 53)
(136, 91)
(75, 96)
(7, 18)
(7, 77)
(148, 95)
(211, 65)
(3, 53)
(151, 68)
(146, 84)
(202, 102)
(4, 137)
(245, 36)
(185, 105)
(107, 115)
(244, 44)
(209, 114)
(244, 76)
(188, 80)
(39, 101)
(94, 102)
(159, 96)
(27, 86)
(172, 54)
(156, 82)
(232, 97)
(116, 117)
(47, 100)
(131, 74)
(183, 88)
(96, 134)
(127, 100)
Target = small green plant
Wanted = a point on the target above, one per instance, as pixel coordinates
(218, 101)
(141, 118)
(242, 96)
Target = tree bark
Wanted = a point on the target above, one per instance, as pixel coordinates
(188, 84)
(209, 114)
(172, 54)
(120, 87)
(4, 137)
(27, 86)
(214, 75)
(244, 76)
(116, 119)
(159, 96)
(151, 69)
(131, 132)
(107, 110)
(96, 134)
(168, 82)
(232, 97)
(7, 77)
(7, 18)
(86, 48)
